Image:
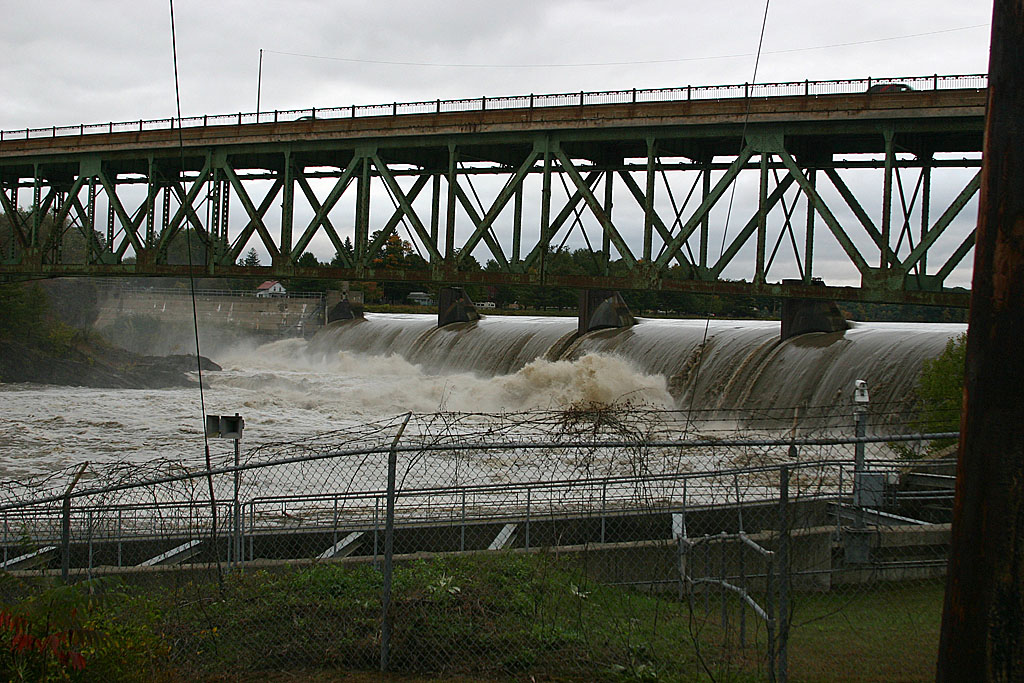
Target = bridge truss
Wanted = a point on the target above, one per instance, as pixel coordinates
(759, 193)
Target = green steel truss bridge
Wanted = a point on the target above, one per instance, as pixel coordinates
(767, 189)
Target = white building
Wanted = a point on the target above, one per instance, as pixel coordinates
(421, 298)
(271, 288)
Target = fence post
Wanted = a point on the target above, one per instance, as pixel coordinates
(783, 633)
(252, 525)
(858, 466)
(389, 546)
(236, 551)
(376, 531)
(527, 541)
(721, 582)
(742, 564)
(604, 497)
(89, 536)
(769, 593)
(334, 524)
(65, 526)
(682, 547)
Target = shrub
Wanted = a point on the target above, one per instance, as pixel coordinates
(73, 632)
(941, 387)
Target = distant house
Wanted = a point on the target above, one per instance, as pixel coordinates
(421, 298)
(271, 288)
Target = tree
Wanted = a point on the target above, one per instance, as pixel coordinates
(75, 245)
(22, 311)
(251, 259)
(941, 387)
(307, 260)
(347, 250)
(186, 246)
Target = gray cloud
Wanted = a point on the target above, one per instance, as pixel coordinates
(102, 60)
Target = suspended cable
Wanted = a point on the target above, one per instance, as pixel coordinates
(192, 290)
(728, 215)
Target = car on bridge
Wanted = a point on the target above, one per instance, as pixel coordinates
(888, 87)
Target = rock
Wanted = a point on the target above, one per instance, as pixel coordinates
(96, 365)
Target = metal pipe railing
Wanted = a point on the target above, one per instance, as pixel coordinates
(803, 88)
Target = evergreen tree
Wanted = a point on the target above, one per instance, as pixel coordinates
(251, 259)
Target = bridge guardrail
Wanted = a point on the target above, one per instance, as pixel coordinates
(483, 103)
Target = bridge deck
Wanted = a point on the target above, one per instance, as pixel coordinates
(952, 119)
(159, 183)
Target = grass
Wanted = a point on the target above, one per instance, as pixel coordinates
(498, 616)
(888, 634)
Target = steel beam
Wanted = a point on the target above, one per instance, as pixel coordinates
(683, 142)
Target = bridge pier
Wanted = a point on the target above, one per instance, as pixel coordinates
(455, 306)
(601, 309)
(341, 307)
(800, 316)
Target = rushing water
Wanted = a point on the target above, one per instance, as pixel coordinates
(360, 371)
(711, 364)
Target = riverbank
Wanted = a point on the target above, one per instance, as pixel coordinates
(45, 339)
(92, 363)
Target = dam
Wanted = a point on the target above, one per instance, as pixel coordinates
(726, 365)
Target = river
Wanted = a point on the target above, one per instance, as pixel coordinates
(360, 372)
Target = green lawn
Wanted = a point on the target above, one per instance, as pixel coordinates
(491, 617)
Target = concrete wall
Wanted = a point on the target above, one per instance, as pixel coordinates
(160, 322)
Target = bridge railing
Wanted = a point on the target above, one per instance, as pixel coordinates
(182, 292)
(582, 98)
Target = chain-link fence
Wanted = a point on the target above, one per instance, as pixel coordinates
(590, 543)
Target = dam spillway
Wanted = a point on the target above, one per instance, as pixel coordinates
(710, 364)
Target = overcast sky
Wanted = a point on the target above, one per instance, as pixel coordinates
(74, 62)
(83, 62)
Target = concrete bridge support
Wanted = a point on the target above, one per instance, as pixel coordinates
(455, 306)
(601, 309)
(343, 304)
(800, 316)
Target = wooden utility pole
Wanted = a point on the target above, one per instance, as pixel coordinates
(983, 618)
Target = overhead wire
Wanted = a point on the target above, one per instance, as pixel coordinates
(192, 291)
(728, 215)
